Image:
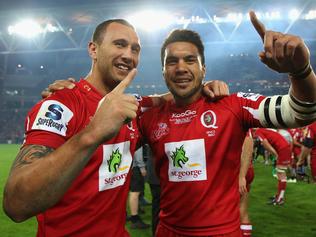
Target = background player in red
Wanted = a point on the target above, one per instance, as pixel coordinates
(309, 148)
(298, 137)
(197, 143)
(277, 145)
(246, 176)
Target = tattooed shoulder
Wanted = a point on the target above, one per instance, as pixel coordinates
(29, 153)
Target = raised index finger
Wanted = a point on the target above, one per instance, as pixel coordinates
(120, 88)
(259, 26)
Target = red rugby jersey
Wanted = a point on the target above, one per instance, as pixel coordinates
(298, 135)
(277, 141)
(311, 133)
(197, 158)
(95, 204)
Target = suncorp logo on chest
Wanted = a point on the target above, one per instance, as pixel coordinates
(184, 114)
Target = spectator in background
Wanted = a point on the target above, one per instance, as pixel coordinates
(12, 131)
(154, 184)
(136, 186)
(142, 200)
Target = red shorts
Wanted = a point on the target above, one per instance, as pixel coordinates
(296, 151)
(284, 157)
(249, 177)
(165, 232)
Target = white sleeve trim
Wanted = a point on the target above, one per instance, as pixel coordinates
(285, 111)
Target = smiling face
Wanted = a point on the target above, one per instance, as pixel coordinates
(183, 71)
(117, 54)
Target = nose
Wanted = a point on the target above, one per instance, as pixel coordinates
(127, 55)
(181, 67)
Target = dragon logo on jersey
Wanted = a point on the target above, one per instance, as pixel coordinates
(114, 161)
(179, 157)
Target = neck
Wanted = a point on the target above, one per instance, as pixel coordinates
(97, 82)
(182, 102)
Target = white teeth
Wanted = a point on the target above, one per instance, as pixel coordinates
(183, 81)
(122, 67)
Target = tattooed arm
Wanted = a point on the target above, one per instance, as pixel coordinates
(40, 176)
(27, 156)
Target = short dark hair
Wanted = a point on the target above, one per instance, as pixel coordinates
(100, 30)
(183, 35)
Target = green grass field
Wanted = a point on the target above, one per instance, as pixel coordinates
(297, 218)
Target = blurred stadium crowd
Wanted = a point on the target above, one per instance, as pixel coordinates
(30, 62)
(21, 89)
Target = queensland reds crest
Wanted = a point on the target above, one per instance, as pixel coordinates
(208, 119)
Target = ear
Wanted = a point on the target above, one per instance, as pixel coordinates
(163, 72)
(92, 49)
(204, 71)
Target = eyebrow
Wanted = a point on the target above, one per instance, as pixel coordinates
(171, 57)
(134, 46)
(120, 41)
(191, 56)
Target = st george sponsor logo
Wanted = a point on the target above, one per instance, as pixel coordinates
(115, 166)
(188, 173)
(186, 160)
(111, 180)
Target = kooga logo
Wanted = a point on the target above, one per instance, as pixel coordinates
(184, 114)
